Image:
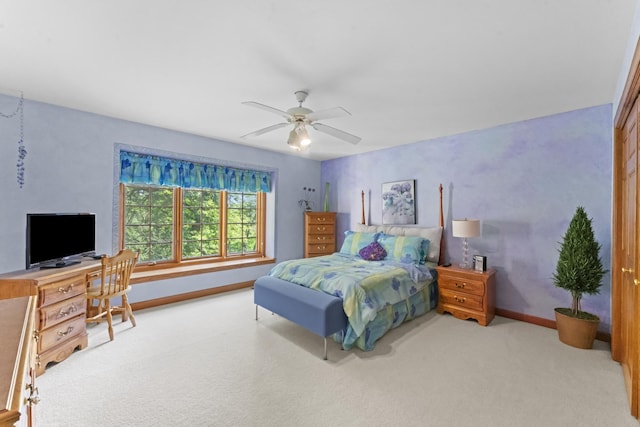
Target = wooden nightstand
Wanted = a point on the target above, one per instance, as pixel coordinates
(467, 294)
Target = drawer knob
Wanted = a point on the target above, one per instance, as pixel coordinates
(34, 395)
(65, 333)
(65, 290)
(460, 300)
(461, 285)
(63, 313)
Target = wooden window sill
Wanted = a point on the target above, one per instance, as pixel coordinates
(189, 270)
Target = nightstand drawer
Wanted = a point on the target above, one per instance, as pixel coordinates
(462, 300)
(461, 284)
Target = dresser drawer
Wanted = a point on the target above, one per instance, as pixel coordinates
(321, 249)
(62, 290)
(461, 284)
(322, 229)
(59, 333)
(462, 300)
(324, 239)
(55, 313)
(321, 219)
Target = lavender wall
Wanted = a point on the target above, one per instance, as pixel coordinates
(523, 180)
(70, 168)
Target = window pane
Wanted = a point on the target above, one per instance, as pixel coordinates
(162, 216)
(241, 223)
(211, 246)
(201, 223)
(191, 232)
(162, 197)
(149, 222)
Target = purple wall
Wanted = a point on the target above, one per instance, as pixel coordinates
(523, 180)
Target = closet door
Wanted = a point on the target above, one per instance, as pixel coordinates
(628, 290)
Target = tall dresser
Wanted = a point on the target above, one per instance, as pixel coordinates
(319, 233)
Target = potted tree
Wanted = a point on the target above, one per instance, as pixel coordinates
(579, 271)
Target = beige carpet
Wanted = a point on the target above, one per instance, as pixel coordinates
(209, 363)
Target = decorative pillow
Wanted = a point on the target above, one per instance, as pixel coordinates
(373, 252)
(405, 249)
(354, 241)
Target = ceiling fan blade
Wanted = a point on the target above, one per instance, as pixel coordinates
(327, 114)
(267, 108)
(337, 133)
(265, 130)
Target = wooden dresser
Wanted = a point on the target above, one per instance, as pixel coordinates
(319, 233)
(467, 294)
(60, 315)
(18, 392)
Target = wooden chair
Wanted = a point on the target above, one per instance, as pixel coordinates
(112, 280)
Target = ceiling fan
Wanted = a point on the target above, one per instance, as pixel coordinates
(299, 117)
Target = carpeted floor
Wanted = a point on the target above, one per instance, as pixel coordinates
(207, 362)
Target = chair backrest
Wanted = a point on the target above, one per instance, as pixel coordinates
(116, 272)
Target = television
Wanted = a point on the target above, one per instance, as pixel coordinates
(59, 239)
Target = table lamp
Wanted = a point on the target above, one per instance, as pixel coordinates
(465, 228)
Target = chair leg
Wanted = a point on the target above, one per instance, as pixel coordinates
(109, 317)
(128, 310)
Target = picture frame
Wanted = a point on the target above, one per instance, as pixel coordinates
(480, 263)
(399, 202)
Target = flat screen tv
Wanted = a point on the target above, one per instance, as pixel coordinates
(59, 239)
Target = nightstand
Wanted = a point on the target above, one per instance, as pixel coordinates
(467, 294)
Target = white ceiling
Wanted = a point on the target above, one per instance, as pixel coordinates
(407, 70)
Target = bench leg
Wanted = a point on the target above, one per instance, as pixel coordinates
(325, 348)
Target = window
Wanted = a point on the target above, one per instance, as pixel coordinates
(180, 225)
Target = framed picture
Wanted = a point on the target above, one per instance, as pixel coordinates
(479, 263)
(398, 202)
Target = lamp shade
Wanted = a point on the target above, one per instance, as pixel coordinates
(465, 227)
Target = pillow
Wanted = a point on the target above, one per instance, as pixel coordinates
(405, 249)
(433, 234)
(355, 240)
(373, 252)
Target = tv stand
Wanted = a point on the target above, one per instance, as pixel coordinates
(61, 264)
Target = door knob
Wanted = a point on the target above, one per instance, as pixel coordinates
(627, 270)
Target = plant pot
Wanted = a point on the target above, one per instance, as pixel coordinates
(579, 333)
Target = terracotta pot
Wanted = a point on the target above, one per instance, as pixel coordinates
(579, 333)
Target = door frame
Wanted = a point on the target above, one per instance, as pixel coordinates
(624, 108)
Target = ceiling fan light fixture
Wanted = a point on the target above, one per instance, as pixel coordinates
(294, 141)
(303, 136)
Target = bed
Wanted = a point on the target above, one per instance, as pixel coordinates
(384, 276)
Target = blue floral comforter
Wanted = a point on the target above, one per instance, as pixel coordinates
(366, 287)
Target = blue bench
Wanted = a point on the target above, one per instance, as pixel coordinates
(315, 311)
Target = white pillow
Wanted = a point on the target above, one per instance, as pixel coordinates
(433, 234)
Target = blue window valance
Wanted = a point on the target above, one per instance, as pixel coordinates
(156, 170)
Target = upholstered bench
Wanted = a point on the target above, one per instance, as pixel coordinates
(316, 311)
